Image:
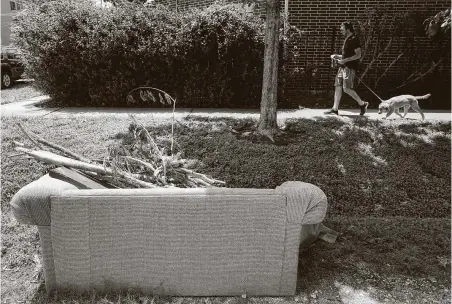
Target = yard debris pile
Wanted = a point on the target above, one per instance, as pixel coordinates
(140, 164)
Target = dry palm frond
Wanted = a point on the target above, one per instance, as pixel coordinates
(154, 95)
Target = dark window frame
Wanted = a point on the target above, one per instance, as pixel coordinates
(15, 6)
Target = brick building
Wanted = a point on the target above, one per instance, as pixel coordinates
(310, 69)
(321, 19)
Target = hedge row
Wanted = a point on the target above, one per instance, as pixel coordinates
(81, 54)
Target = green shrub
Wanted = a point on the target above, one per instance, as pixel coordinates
(81, 54)
(224, 56)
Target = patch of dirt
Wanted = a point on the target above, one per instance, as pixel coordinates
(370, 287)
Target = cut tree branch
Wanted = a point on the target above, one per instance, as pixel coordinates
(52, 158)
(62, 149)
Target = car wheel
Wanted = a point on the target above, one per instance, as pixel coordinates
(7, 82)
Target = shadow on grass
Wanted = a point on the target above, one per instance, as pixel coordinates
(18, 85)
(365, 167)
(354, 116)
(379, 252)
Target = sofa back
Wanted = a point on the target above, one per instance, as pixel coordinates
(196, 242)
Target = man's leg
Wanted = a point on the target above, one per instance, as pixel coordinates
(354, 95)
(338, 81)
(337, 97)
(362, 104)
(349, 81)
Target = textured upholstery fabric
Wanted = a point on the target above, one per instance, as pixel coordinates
(45, 237)
(195, 245)
(197, 242)
(307, 203)
(31, 204)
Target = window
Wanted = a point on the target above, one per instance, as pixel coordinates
(15, 6)
(12, 56)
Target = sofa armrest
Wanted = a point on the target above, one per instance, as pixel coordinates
(306, 209)
(31, 204)
(306, 203)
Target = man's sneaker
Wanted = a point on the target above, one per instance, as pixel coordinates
(332, 111)
(363, 108)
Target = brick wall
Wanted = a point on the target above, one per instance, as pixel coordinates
(320, 19)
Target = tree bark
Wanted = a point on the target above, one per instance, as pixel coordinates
(267, 122)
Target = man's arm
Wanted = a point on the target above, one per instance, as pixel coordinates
(354, 57)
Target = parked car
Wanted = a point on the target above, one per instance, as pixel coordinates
(12, 66)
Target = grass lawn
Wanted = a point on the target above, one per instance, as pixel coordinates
(21, 90)
(388, 186)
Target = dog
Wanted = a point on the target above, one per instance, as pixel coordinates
(393, 104)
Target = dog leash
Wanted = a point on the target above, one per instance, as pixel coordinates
(360, 80)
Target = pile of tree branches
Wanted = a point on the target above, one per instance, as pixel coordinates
(141, 164)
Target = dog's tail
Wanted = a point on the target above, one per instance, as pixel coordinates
(423, 97)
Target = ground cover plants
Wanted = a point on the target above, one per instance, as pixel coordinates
(387, 183)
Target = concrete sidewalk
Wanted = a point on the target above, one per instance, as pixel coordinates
(30, 108)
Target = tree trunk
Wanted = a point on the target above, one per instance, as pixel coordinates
(267, 123)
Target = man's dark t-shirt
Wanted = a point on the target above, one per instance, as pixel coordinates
(348, 50)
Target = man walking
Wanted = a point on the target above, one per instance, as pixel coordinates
(348, 64)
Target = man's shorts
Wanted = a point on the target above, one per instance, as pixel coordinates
(345, 78)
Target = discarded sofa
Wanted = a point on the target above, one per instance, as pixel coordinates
(172, 241)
